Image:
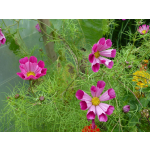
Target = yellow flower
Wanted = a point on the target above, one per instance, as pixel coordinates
(145, 61)
(142, 78)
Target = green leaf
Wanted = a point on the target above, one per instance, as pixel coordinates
(93, 29)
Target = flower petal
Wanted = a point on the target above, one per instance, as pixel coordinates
(108, 53)
(101, 114)
(108, 109)
(81, 95)
(91, 113)
(94, 48)
(23, 60)
(108, 63)
(100, 88)
(96, 65)
(43, 71)
(109, 94)
(85, 105)
(41, 64)
(33, 59)
(91, 58)
(21, 75)
(93, 91)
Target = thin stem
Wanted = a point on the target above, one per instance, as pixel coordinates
(93, 124)
(31, 88)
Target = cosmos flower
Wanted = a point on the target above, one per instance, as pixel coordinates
(94, 104)
(144, 29)
(30, 69)
(98, 50)
(38, 27)
(2, 38)
(126, 108)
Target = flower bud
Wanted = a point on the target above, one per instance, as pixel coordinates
(129, 66)
(8, 97)
(127, 62)
(17, 96)
(126, 108)
(41, 98)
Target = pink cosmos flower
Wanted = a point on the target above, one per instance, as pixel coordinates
(30, 69)
(95, 105)
(123, 19)
(98, 50)
(2, 38)
(38, 27)
(126, 108)
(144, 29)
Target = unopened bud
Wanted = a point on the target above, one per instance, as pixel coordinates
(129, 66)
(126, 108)
(17, 96)
(41, 98)
(127, 62)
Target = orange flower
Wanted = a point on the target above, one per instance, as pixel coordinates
(89, 129)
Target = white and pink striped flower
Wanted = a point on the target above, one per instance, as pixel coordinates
(144, 29)
(98, 50)
(30, 69)
(94, 104)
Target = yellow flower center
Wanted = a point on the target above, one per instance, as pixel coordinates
(144, 31)
(30, 73)
(95, 101)
(97, 54)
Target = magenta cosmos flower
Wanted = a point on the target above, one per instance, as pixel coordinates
(94, 104)
(2, 38)
(38, 27)
(30, 69)
(126, 108)
(144, 29)
(99, 50)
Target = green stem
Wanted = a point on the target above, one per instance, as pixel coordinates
(31, 88)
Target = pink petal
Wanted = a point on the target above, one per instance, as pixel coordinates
(85, 105)
(41, 64)
(109, 43)
(94, 48)
(108, 53)
(100, 88)
(108, 63)
(3, 40)
(109, 94)
(43, 71)
(101, 114)
(101, 41)
(95, 67)
(103, 118)
(33, 59)
(81, 95)
(93, 91)
(38, 70)
(33, 67)
(31, 77)
(108, 109)
(23, 60)
(21, 75)
(38, 75)
(91, 58)
(91, 113)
